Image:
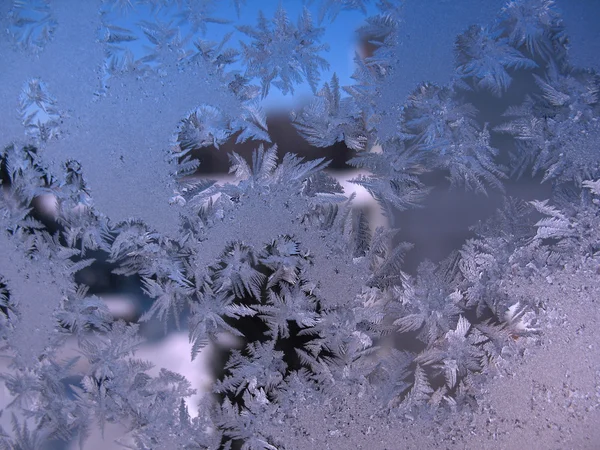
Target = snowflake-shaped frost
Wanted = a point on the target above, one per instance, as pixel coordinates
(284, 54)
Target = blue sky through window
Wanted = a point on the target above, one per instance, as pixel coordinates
(339, 35)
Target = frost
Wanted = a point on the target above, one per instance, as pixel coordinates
(430, 304)
(534, 25)
(321, 303)
(485, 57)
(284, 54)
(32, 24)
(260, 365)
(292, 305)
(329, 118)
(556, 132)
(331, 8)
(394, 181)
(39, 113)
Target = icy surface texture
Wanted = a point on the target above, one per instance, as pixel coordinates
(111, 114)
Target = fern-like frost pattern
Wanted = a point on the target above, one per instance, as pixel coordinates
(277, 256)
